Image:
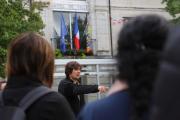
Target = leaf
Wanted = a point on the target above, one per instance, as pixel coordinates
(15, 18)
(173, 7)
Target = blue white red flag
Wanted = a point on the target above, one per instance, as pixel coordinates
(76, 34)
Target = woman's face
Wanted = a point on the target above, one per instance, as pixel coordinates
(75, 74)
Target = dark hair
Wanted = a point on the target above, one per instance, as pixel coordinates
(70, 66)
(140, 44)
(30, 54)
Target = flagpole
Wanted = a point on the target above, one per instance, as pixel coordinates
(110, 27)
(70, 27)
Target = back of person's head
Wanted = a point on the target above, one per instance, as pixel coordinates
(167, 98)
(140, 43)
(29, 54)
(70, 66)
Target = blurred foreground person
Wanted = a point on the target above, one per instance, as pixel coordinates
(167, 98)
(72, 89)
(30, 64)
(140, 43)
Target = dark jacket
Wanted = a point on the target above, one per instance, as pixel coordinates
(114, 107)
(52, 106)
(73, 91)
(167, 98)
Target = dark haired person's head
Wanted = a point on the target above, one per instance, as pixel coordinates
(31, 55)
(140, 44)
(70, 66)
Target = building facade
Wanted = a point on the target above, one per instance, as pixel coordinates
(99, 20)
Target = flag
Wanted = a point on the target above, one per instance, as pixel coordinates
(87, 36)
(76, 33)
(84, 36)
(63, 34)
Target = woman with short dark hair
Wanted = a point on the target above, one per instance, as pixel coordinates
(70, 66)
(72, 89)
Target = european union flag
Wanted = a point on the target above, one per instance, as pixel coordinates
(63, 34)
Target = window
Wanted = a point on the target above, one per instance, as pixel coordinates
(69, 19)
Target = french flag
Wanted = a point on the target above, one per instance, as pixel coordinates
(76, 34)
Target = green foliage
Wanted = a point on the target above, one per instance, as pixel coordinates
(3, 53)
(70, 54)
(80, 53)
(176, 20)
(58, 54)
(83, 56)
(16, 17)
(173, 7)
(73, 53)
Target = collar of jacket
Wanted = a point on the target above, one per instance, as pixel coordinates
(22, 81)
(69, 80)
